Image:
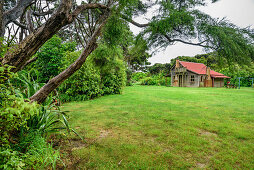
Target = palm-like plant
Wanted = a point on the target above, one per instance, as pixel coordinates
(49, 118)
(30, 83)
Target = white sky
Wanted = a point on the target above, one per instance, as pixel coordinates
(239, 12)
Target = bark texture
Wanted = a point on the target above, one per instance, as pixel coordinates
(43, 93)
(14, 13)
(21, 53)
(1, 19)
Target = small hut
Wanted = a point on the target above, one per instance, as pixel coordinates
(189, 74)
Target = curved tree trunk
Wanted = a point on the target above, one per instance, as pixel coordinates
(52, 84)
(20, 54)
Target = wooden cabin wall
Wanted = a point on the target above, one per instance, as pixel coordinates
(218, 82)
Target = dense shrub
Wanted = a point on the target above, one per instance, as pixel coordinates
(37, 155)
(24, 125)
(138, 76)
(148, 81)
(82, 85)
(246, 72)
(113, 83)
(50, 58)
(14, 111)
(109, 62)
(103, 73)
(10, 159)
(158, 80)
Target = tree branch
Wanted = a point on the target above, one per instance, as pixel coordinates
(20, 25)
(14, 13)
(42, 13)
(29, 62)
(80, 8)
(29, 21)
(185, 42)
(134, 22)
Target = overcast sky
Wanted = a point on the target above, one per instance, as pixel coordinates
(239, 12)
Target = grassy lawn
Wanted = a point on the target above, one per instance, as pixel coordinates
(165, 127)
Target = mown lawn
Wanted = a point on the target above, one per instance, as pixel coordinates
(165, 127)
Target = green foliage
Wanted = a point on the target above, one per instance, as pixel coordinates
(131, 8)
(128, 77)
(230, 42)
(116, 31)
(156, 75)
(27, 82)
(39, 154)
(180, 21)
(5, 75)
(14, 115)
(50, 58)
(33, 152)
(108, 60)
(3, 47)
(113, 83)
(158, 80)
(82, 85)
(14, 110)
(10, 159)
(25, 125)
(49, 119)
(235, 71)
(156, 68)
(137, 55)
(138, 76)
(103, 73)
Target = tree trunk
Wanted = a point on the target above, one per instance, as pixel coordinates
(52, 84)
(1, 19)
(21, 53)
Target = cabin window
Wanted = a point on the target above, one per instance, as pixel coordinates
(201, 78)
(192, 78)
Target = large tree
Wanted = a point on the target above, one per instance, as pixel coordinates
(28, 24)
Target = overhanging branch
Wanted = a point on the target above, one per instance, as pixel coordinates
(14, 13)
(80, 8)
(42, 13)
(189, 43)
(20, 25)
(134, 22)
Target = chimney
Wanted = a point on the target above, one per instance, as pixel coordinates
(208, 70)
(177, 64)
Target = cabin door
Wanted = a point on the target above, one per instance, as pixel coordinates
(180, 81)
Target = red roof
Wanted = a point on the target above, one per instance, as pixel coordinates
(200, 68)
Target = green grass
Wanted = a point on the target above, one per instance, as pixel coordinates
(165, 127)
